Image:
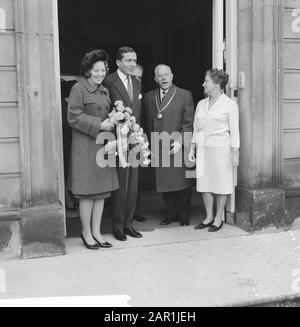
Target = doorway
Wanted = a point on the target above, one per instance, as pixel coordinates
(179, 34)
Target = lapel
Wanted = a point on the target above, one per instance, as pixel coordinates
(156, 98)
(136, 90)
(168, 96)
(121, 88)
(216, 104)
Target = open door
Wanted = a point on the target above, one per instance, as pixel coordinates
(225, 57)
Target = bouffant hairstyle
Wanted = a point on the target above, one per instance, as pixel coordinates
(90, 59)
(120, 53)
(219, 77)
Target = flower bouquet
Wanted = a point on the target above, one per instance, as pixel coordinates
(128, 132)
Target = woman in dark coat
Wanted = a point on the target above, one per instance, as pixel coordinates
(88, 110)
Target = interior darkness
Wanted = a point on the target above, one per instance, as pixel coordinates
(177, 33)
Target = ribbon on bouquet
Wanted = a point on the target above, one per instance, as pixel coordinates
(122, 143)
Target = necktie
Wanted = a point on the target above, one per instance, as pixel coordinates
(163, 94)
(129, 89)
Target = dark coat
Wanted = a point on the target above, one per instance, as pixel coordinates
(118, 92)
(88, 107)
(177, 117)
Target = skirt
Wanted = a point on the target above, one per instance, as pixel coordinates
(99, 196)
(215, 164)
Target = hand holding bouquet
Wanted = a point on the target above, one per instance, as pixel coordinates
(128, 132)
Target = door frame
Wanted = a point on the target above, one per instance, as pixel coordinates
(222, 52)
(218, 34)
(61, 182)
(225, 54)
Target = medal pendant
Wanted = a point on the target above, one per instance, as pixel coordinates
(159, 116)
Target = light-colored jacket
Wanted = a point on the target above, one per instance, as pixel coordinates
(217, 126)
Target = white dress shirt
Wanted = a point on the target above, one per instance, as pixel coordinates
(217, 126)
(162, 95)
(124, 79)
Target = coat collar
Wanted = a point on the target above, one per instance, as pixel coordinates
(92, 88)
(168, 96)
(216, 104)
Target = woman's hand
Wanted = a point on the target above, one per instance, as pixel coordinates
(111, 147)
(192, 154)
(106, 126)
(235, 157)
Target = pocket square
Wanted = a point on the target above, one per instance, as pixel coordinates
(140, 96)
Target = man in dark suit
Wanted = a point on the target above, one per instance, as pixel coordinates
(138, 74)
(170, 110)
(124, 87)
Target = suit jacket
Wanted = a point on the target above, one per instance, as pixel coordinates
(118, 92)
(177, 117)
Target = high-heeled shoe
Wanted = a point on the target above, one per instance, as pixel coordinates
(104, 245)
(89, 246)
(214, 228)
(203, 226)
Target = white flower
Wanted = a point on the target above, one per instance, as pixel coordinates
(133, 120)
(119, 103)
(127, 116)
(129, 110)
(145, 145)
(136, 127)
(119, 106)
(146, 162)
(119, 116)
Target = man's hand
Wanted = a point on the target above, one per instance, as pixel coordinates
(176, 148)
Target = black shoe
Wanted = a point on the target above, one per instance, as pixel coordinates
(132, 232)
(89, 246)
(167, 221)
(140, 218)
(214, 228)
(184, 222)
(119, 235)
(105, 245)
(203, 226)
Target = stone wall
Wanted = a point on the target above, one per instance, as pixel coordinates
(31, 161)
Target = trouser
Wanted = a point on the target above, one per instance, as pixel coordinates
(178, 204)
(137, 211)
(124, 199)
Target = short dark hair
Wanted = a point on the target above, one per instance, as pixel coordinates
(219, 77)
(90, 58)
(120, 53)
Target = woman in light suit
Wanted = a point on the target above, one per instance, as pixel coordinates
(215, 147)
